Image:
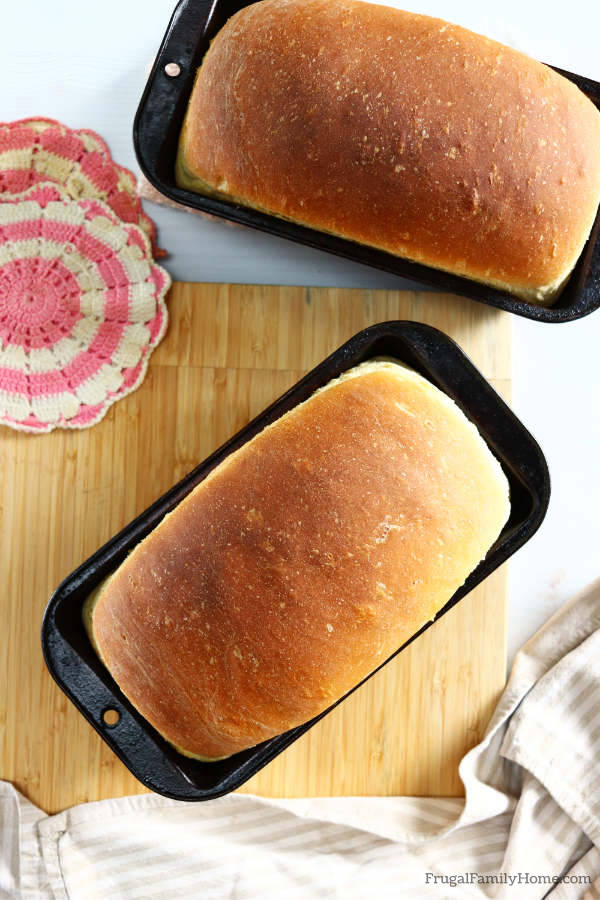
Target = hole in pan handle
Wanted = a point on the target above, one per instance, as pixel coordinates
(111, 717)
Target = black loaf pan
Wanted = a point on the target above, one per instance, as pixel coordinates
(156, 131)
(76, 668)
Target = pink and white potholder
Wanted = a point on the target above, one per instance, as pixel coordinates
(81, 308)
(42, 150)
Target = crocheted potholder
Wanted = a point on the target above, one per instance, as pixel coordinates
(81, 308)
(42, 150)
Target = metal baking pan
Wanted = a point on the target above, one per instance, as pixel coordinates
(156, 131)
(74, 664)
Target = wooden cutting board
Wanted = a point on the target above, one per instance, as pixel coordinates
(231, 350)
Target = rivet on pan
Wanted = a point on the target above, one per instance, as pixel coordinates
(172, 70)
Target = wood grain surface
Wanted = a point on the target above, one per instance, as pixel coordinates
(230, 350)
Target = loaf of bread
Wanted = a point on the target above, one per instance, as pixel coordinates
(401, 132)
(301, 562)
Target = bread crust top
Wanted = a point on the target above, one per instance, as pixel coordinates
(301, 562)
(402, 132)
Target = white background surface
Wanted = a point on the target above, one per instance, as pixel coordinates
(85, 64)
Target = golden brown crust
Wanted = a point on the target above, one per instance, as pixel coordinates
(398, 131)
(302, 562)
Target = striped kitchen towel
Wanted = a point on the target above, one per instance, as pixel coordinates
(528, 828)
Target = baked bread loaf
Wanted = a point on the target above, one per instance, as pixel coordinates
(398, 131)
(301, 562)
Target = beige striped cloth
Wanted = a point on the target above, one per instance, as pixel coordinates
(528, 828)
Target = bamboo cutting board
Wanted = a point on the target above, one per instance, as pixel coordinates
(230, 351)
